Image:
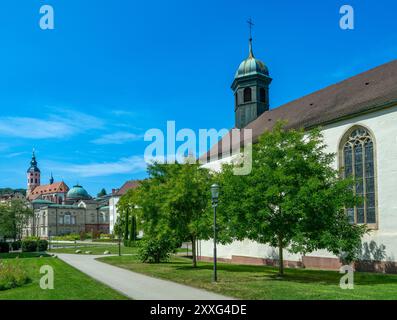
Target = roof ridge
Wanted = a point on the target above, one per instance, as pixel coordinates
(337, 84)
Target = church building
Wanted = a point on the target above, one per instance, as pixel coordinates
(358, 119)
(59, 210)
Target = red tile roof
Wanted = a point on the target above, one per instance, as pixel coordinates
(57, 187)
(132, 184)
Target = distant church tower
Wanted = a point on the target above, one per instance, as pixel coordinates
(251, 89)
(33, 175)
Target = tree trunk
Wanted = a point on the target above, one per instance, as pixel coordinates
(126, 230)
(133, 230)
(280, 257)
(194, 252)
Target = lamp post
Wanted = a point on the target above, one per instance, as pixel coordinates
(120, 241)
(49, 240)
(215, 196)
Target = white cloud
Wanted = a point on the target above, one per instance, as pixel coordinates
(63, 123)
(15, 154)
(117, 138)
(31, 128)
(131, 165)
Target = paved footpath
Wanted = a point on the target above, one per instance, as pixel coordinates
(135, 285)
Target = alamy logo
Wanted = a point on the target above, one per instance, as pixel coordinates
(236, 146)
(47, 281)
(346, 22)
(47, 21)
(347, 281)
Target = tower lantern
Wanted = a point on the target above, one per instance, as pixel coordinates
(33, 175)
(251, 88)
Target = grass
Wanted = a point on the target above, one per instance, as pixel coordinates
(262, 283)
(96, 249)
(69, 283)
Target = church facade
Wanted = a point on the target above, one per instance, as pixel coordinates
(358, 119)
(59, 210)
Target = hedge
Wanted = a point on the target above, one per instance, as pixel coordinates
(16, 245)
(29, 246)
(4, 247)
(34, 245)
(42, 245)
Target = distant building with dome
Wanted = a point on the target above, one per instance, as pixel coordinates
(59, 210)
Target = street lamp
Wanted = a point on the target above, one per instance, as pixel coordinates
(120, 235)
(215, 197)
(49, 240)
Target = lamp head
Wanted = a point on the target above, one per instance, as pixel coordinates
(215, 192)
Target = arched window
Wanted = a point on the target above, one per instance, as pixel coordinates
(358, 161)
(247, 95)
(262, 95)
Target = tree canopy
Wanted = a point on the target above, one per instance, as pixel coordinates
(173, 202)
(102, 193)
(293, 199)
(13, 217)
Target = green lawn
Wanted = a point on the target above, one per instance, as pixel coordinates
(69, 283)
(260, 282)
(97, 249)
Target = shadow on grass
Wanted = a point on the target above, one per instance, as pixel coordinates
(23, 255)
(243, 273)
(304, 276)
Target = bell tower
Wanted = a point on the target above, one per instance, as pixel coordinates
(250, 88)
(33, 175)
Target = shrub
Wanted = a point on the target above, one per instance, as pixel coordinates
(12, 276)
(68, 237)
(29, 245)
(82, 235)
(42, 245)
(95, 234)
(4, 247)
(156, 250)
(16, 245)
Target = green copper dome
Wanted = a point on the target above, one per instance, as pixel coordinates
(251, 66)
(78, 193)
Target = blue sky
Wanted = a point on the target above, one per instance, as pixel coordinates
(84, 94)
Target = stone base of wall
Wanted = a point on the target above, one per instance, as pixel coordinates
(319, 263)
(254, 261)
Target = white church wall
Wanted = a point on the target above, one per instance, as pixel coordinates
(113, 213)
(382, 124)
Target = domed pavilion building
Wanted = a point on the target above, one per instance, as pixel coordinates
(59, 210)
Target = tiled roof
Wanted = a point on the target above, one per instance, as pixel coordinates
(57, 187)
(369, 91)
(132, 184)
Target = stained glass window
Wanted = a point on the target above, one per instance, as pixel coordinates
(358, 162)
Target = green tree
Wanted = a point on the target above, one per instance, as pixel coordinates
(129, 210)
(174, 201)
(13, 217)
(293, 199)
(102, 193)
